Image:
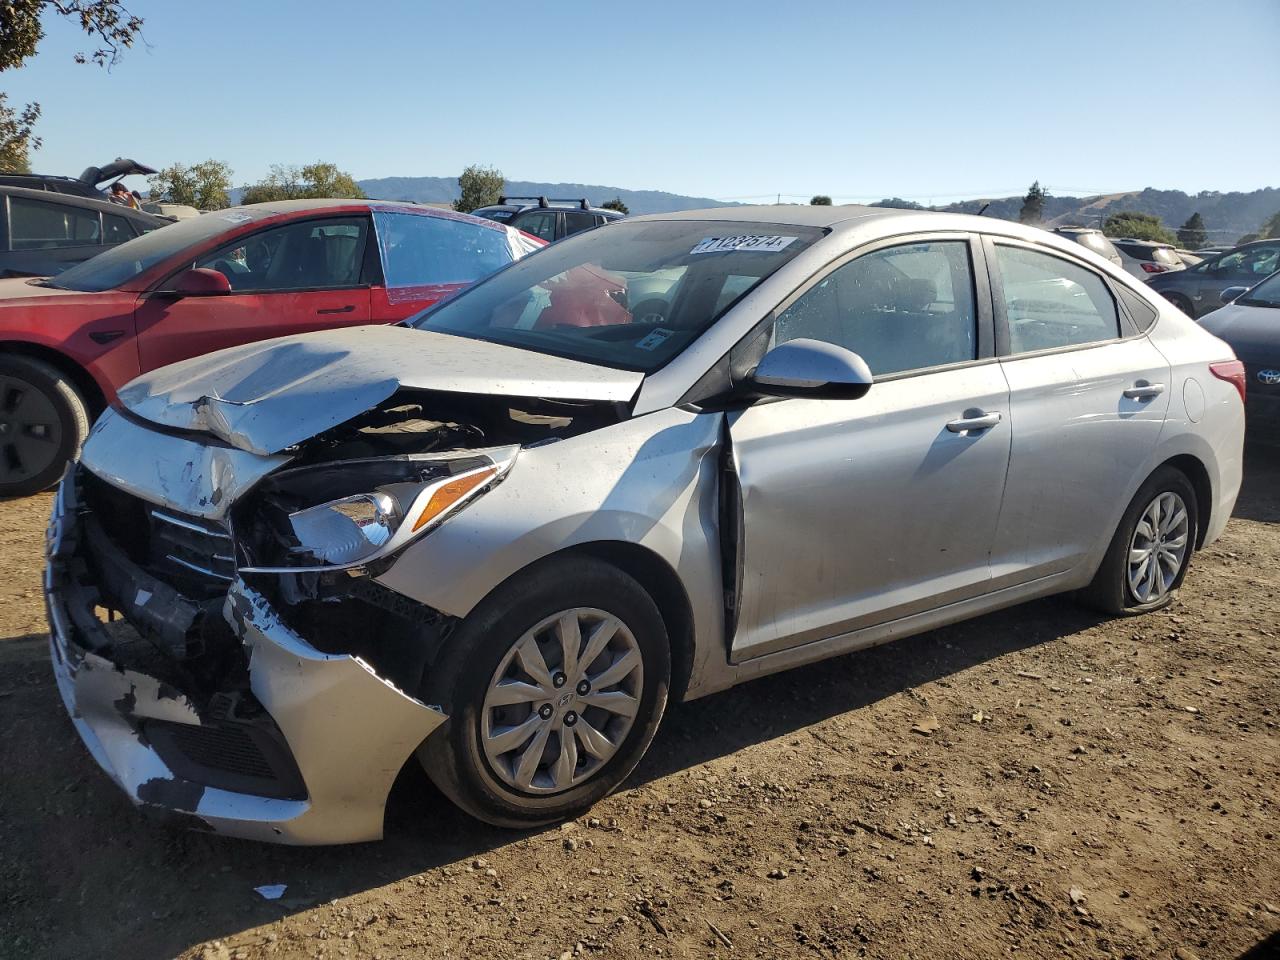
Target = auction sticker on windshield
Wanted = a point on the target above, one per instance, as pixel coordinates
(755, 244)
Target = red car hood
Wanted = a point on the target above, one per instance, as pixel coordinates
(21, 288)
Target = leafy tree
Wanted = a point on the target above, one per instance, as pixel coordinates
(614, 204)
(1033, 204)
(16, 137)
(21, 31)
(1270, 229)
(1248, 238)
(107, 21)
(205, 186)
(312, 182)
(897, 203)
(1192, 234)
(1139, 226)
(821, 200)
(481, 187)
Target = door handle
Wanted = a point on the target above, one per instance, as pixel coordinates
(1144, 391)
(347, 309)
(980, 421)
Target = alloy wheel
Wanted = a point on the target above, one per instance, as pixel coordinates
(562, 701)
(1158, 547)
(30, 430)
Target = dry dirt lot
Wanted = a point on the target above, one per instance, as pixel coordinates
(1038, 782)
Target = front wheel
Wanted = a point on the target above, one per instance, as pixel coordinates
(1151, 550)
(554, 689)
(43, 422)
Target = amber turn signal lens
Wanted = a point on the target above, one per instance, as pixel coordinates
(447, 494)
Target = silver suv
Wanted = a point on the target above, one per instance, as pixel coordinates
(1094, 240)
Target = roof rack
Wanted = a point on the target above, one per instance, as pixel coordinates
(547, 201)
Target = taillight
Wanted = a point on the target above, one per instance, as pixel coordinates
(1153, 267)
(1231, 371)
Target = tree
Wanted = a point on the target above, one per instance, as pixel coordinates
(205, 186)
(312, 182)
(107, 21)
(481, 187)
(1270, 229)
(1033, 204)
(1248, 238)
(16, 137)
(1192, 235)
(614, 204)
(21, 31)
(1139, 226)
(821, 200)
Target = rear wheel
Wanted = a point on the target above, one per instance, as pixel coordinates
(1181, 302)
(1151, 550)
(554, 689)
(43, 422)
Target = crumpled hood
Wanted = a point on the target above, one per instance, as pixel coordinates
(1253, 332)
(264, 397)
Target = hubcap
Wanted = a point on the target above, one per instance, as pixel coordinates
(544, 736)
(1158, 547)
(30, 430)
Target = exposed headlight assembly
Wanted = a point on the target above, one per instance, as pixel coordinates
(351, 513)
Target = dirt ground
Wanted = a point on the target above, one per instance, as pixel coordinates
(1037, 782)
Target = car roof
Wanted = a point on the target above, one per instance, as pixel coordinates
(260, 211)
(74, 200)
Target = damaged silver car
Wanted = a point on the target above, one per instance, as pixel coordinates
(646, 463)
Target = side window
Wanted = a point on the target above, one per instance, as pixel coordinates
(310, 254)
(541, 223)
(575, 221)
(1050, 302)
(421, 251)
(900, 308)
(116, 229)
(35, 225)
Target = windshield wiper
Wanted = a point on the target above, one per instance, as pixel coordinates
(42, 282)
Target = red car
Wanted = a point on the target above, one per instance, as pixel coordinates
(68, 343)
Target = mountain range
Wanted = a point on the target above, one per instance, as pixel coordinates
(445, 190)
(1227, 216)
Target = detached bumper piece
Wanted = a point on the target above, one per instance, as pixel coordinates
(195, 697)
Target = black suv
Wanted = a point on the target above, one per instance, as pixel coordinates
(85, 185)
(541, 217)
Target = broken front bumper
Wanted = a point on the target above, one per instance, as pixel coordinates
(325, 744)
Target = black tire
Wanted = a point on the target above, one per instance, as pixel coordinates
(1182, 303)
(453, 756)
(1110, 591)
(43, 422)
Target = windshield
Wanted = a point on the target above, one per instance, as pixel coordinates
(632, 296)
(1265, 294)
(118, 265)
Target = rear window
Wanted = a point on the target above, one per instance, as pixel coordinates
(1140, 251)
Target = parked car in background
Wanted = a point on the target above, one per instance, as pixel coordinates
(1092, 239)
(174, 211)
(1197, 290)
(1145, 258)
(1250, 322)
(68, 343)
(88, 184)
(547, 219)
(502, 535)
(1188, 258)
(43, 233)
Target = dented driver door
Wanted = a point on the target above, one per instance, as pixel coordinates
(858, 512)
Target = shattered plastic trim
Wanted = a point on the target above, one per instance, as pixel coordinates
(349, 731)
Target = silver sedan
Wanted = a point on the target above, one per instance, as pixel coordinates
(647, 463)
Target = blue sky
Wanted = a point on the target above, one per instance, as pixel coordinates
(926, 100)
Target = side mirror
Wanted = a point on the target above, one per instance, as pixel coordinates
(201, 282)
(811, 368)
(1231, 293)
